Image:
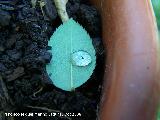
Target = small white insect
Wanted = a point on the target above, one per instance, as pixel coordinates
(81, 58)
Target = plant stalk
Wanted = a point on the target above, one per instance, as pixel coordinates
(61, 8)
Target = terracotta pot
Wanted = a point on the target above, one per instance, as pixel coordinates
(131, 86)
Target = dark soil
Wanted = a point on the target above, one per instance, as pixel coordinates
(24, 84)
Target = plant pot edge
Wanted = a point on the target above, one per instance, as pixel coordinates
(113, 96)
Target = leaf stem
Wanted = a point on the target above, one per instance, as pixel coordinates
(61, 8)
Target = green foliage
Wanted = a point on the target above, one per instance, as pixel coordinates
(156, 6)
(158, 115)
(68, 42)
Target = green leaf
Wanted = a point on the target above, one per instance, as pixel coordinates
(73, 58)
(158, 113)
(156, 7)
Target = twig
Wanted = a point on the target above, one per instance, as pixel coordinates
(34, 94)
(42, 4)
(33, 2)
